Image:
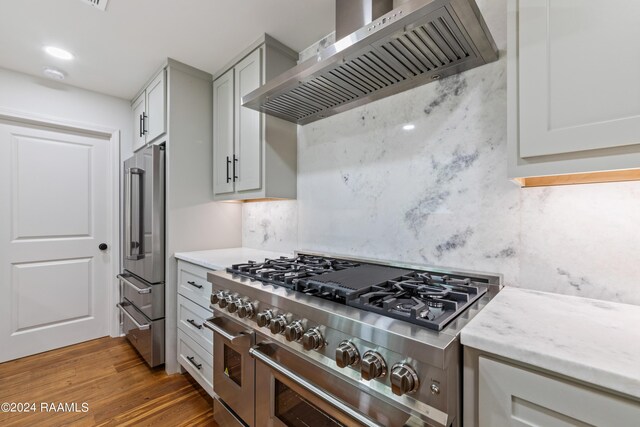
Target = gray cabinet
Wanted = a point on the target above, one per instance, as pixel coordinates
(254, 155)
(149, 110)
(570, 113)
(515, 396)
(223, 111)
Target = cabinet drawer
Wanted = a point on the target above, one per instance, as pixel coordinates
(147, 336)
(192, 283)
(513, 396)
(190, 320)
(196, 360)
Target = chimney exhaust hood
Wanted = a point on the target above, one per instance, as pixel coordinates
(388, 52)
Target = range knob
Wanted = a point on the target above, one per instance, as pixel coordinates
(264, 318)
(277, 325)
(235, 305)
(228, 301)
(404, 379)
(312, 340)
(245, 310)
(372, 366)
(294, 331)
(215, 297)
(346, 354)
(223, 299)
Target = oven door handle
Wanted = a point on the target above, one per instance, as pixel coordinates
(332, 400)
(240, 339)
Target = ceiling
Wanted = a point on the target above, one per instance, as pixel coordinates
(117, 51)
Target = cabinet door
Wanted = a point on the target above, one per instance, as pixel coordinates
(137, 111)
(223, 133)
(511, 396)
(155, 124)
(578, 75)
(248, 140)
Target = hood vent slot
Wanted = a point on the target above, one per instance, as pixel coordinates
(434, 47)
(98, 4)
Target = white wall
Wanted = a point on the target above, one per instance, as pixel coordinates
(49, 98)
(439, 194)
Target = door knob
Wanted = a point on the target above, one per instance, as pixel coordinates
(103, 246)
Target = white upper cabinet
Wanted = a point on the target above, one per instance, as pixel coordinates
(156, 107)
(137, 111)
(223, 133)
(149, 112)
(254, 155)
(248, 75)
(574, 91)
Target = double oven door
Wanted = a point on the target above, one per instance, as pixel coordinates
(261, 384)
(233, 372)
(294, 392)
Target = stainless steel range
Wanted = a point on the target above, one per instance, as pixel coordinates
(317, 340)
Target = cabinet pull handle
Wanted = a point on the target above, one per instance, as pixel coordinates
(193, 322)
(144, 123)
(228, 163)
(192, 360)
(141, 126)
(194, 284)
(235, 160)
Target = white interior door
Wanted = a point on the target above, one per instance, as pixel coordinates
(54, 213)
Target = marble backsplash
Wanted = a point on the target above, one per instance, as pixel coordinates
(438, 194)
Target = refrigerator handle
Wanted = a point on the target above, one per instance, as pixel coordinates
(129, 230)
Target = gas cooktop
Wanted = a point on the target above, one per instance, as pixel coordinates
(427, 298)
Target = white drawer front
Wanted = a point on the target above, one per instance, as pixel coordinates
(190, 320)
(192, 283)
(196, 360)
(515, 397)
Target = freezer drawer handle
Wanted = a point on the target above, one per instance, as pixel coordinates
(193, 322)
(135, 322)
(194, 284)
(136, 288)
(264, 358)
(241, 338)
(192, 360)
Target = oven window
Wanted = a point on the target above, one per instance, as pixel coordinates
(295, 411)
(233, 365)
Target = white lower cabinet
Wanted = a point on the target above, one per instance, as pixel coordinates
(195, 342)
(196, 360)
(514, 396)
(193, 284)
(191, 319)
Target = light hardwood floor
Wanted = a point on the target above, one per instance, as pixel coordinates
(107, 374)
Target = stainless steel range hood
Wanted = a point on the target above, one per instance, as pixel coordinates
(417, 42)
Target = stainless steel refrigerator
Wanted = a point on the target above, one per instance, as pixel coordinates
(142, 289)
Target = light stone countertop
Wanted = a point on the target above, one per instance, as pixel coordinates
(219, 259)
(590, 340)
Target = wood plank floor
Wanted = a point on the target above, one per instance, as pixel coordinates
(107, 374)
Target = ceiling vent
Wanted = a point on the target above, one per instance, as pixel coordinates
(98, 4)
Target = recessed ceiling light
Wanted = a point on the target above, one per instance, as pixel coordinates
(52, 73)
(409, 127)
(56, 52)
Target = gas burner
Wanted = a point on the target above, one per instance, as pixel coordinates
(425, 298)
